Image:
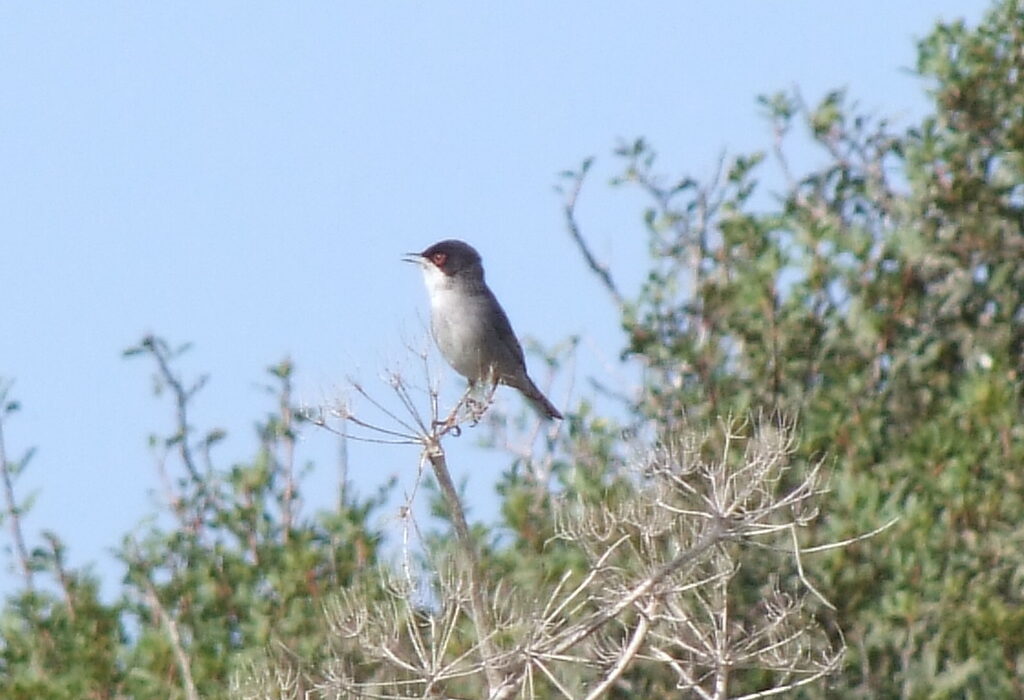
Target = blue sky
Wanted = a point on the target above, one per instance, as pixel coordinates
(246, 176)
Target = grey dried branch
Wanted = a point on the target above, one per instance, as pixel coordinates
(262, 681)
(420, 642)
(675, 541)
(627, 652)
(428, 662)
(662, 554)
(482, 619)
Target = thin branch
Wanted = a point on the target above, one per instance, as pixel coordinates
(627, 655)
(800, 570)
(401, 389)
(12, 511)
(569, 208)
(184, 664)
(343, 467)
(481, 612)
(688, 679)
(787, 687)
(843, 543)
(319, 421)
(383, 409)
(536, 662)
(288, 436)
(712, 535)
(182, 396)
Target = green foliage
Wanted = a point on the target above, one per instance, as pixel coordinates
(227, 571)
(882, 300)
(61, 647)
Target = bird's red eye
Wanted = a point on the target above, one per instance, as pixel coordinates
(439, 259)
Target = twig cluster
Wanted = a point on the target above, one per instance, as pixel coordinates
(660, 591)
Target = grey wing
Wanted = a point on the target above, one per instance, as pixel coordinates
(503, 330)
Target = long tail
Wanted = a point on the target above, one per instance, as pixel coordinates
(539, 402)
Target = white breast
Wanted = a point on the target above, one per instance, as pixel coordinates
(456, 324)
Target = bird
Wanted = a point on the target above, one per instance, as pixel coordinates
(469, 326)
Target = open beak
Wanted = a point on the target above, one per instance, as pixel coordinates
(413, 258)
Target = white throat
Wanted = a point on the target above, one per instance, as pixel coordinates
(439, 285)
(435, 279)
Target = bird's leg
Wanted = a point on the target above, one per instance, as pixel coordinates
(450, 423)
(474, 409)
(467, 396)
(477, 407)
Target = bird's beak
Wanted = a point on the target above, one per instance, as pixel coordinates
(413, 258)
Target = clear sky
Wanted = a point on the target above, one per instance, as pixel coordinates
(246, 175)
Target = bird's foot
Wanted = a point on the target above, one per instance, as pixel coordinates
(448, 425)
(475, 409)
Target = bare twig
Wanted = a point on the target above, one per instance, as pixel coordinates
(643, 626)
(661, 560)
(711, 536)
(569, 208)
(428, 433)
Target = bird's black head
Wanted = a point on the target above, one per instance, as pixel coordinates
(452, 257)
